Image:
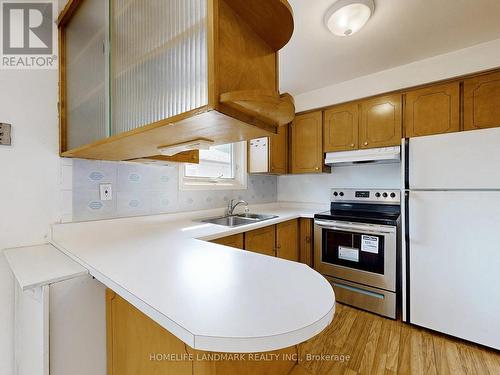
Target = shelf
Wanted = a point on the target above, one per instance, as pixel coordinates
(264, 105)
(272, 20)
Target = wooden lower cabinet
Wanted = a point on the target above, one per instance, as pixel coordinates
(235, 240)
(261, 240)
(136, 345)
(287, 240)
(306, 241)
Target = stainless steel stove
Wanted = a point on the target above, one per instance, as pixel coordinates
(356, 247)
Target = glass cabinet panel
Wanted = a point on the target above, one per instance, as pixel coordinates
(158, 60)
(86, 65)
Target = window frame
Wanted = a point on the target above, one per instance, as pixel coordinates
(238, 182)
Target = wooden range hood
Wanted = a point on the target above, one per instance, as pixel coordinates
(242, 80)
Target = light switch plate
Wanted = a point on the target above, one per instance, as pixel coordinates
(106, 192)
(5, 138)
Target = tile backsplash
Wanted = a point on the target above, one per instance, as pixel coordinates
(140, 189)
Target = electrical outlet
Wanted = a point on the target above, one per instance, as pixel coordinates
(5, 138)
(106, 192)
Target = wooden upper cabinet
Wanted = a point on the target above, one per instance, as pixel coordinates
(152, 74)
(261, 240)
(307, 143)
(269, 154)
(433, 110)
(381, 124)
(482, 102)
(278, 151)
(235, 241)
(287, 240)
(341, 128)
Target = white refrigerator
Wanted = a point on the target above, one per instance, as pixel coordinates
(451, 234)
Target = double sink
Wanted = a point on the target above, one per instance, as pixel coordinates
(238, 220)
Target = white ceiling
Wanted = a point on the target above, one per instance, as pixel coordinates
(399, 32)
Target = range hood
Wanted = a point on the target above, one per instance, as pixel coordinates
(380, 155)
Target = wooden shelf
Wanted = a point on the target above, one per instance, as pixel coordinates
(266, 106)
(272, 20)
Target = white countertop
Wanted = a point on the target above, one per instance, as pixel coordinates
(35, 266)
(210, 296)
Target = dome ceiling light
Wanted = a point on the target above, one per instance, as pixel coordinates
(346, 17)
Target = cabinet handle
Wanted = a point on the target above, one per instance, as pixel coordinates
(366, 143)
(317, 168)
(308, 239)
(352, 144)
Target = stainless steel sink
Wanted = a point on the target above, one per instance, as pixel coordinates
(237, 220)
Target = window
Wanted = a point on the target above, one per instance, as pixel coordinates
(220, 167)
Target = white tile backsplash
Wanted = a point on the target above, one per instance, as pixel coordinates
(140, 189)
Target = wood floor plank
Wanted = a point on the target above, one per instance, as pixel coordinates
(377, 345)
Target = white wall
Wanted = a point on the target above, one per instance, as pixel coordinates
(29, 178)
(468, 60)
(315, 188)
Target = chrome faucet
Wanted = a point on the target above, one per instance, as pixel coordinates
(231, 206)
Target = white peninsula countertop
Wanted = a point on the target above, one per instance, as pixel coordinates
(212, 297)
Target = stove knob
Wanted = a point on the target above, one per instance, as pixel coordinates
(377, 195)
(384, 195)
(393, 195)
(335, 194)
(341, 194)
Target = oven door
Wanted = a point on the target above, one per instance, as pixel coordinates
(361, 253)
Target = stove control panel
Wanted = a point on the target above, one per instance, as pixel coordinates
(366, 195)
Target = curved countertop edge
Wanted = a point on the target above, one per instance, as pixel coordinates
(266, 343)
(211, 343)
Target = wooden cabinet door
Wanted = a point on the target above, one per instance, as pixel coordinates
(235, 241)
(306, 241)
(261, 240)
(287, 240)
(340, 128)
(132, 337)
(380, 122)
(278, 163)
(307, 143)
(482, 102)
(433, 110)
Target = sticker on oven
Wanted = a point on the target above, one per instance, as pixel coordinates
(369, 244)
(349, 253)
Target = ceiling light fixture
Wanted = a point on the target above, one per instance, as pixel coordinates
(346, 17)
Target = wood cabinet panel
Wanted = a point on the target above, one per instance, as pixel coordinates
(261, 240)
(306, 241)
(340, 128)
(433, 110)
(235, 241)
(482, 102)
(132, 337)
(287, 240)
(381, 122)
(279, 151)
(307, 143)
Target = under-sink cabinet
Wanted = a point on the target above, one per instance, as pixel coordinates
(290, 240)
(145, 80)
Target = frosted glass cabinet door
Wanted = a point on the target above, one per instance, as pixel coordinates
(86, 74)
(158, 60)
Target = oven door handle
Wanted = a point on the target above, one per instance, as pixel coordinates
(352, 228)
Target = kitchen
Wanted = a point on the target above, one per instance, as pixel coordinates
(321, 208)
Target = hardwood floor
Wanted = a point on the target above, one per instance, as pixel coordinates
(376, 345)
